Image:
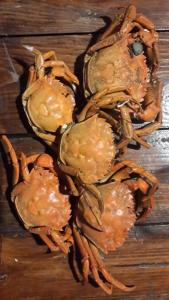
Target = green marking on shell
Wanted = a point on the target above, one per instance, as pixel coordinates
(137, 48)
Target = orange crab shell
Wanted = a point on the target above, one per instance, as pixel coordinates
(89, 147)
(51, 105)
(117, 219)
(40, 203)
(115, 66)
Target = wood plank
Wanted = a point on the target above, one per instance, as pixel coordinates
(13, 85)
(156, 160)
(50, 17)
(27, 271)
(38, 275)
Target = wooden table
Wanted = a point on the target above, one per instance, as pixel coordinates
(27, 271)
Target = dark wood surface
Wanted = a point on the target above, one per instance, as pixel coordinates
(27, 271)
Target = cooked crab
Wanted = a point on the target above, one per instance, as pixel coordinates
(141, 182)
(126, 185)
(42, 208)
(48, 102)
(124, 63)
(86, 152)
(88, 148)
(116, 220)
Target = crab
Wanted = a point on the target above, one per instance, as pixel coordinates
(124, 63)
(119, 216)
(48, 103)
(85, 151)
(42, 208)
(117, 219)
(141, 182)
(85, 154)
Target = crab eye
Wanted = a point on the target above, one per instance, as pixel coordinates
(137, 48)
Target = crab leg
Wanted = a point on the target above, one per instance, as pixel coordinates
(24, 168)
(156, 59)
(89, 187)
(44, 231)
(148, 205)
(94, 268)
(12, 153)
(148, 199)
(138, 139)
(135, 169)
(18, 188)
(141, 171)
(68, 169)
(48, 242)
(116, 22)
(94, 210)
(39, 60)
(94, 100)
(60, 242)
(113, 38)
(141, 141)
(129, 132)
(112, 121)
(61, 69)
(96, 193)
(123, 143)
(114, 98)
(148, 202)
(72, 186)
(91, 103)
(32, 158)
(31, 89)
(126, 121)
(75, 172)
(68, 235)
(106, 274)
(110, 40)
(83, 252)
(153, 57)
(31, 76)
(50, 54)
(145, 22)
(43, 235)
(58, 71)
(25, 161)
(152, 102)
(150, 128)
(129, 17)
(47, 137)
(122, 174)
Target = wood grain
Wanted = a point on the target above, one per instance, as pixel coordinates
(27, 271)
(54, 16)
(14, 75)
(35, 274)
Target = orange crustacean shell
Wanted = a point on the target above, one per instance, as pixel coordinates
(51, 105)
(88, 146)
(117, 219)
(114, 66)
(40, 202)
